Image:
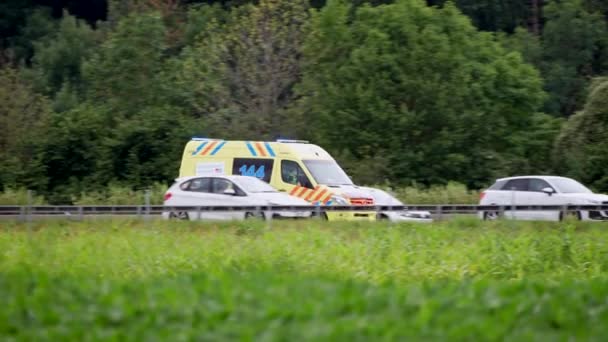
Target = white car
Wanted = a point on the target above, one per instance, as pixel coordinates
(541, 190)
(382, 198)
(228, 191)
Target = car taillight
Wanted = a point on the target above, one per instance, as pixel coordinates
(167, 196)
(481, 195)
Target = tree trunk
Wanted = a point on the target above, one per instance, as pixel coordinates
(534, 17)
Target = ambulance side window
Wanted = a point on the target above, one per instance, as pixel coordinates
(292, 173)
(254, 167)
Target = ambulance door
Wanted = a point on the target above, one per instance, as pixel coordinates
(293, 179)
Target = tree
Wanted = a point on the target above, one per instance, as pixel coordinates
(580, 150)
(524, 42)
(38, 24)
(421, 87)
(58, 56)
(498, 15)
(23, 118)
(572, 42)
(124, 131)
(125, 74)
(241, 77)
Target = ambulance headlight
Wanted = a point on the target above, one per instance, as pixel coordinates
(338, 200)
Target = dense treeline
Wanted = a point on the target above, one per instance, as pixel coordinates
(399, 91)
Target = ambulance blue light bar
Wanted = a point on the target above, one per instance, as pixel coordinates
(293, 141)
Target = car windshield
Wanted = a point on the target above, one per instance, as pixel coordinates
(253, 185)
(327, 172)
(570, 186)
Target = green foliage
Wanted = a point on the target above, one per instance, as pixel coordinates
(119, 195)
(145, 148)
(303, 281)
(451, 193)
(240, 77)
(125, 74)
(581, 147)
(494, 15)
(38, 24)
(19, 196)
(24, 119)
(59, 55)
(528, 44)
(373, 252)
(126, 91)
(573, 41)
(421, 87)
(399, 91)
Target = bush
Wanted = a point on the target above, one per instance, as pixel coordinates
(19, 197)
(121, 195)
(452, 193)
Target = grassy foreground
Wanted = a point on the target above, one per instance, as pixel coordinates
(459, 280)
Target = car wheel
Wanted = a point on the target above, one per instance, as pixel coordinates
(381, 217)
(180, 215)
(491, 215)
(249, 216)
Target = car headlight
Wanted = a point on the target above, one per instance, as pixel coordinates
(339, 200)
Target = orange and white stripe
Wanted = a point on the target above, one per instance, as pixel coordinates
(318, 194)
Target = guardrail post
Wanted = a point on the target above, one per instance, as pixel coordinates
(257, 211)
(80, 213)
(439, 213)
(22, 213)
(147, 201)
(29, 203)
(318, 212)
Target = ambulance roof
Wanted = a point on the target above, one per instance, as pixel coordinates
(299, 148)
(308, 151)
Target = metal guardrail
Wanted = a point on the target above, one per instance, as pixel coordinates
(23, 212)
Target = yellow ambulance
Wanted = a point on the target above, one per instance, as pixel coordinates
(294, 166)
(301, 169)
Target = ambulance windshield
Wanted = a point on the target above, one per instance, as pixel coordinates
(327, 172)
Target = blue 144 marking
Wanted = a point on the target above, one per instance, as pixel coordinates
(251, 171)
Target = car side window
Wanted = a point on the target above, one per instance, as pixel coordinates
(538, 185)
(292, 173)
(184, 186)
(199, 185)
(516, 185)
(220, 185)
(498, 185)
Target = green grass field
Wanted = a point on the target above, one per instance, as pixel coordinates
(457, 280)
